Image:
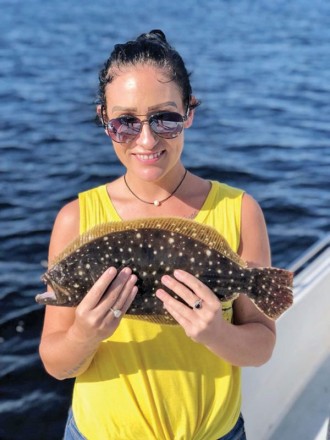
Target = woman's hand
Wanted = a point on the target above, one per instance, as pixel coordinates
(71, 336)
(248, 342)
(201, 324)
(99, 313)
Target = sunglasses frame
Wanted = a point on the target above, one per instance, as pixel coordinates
(133, 136)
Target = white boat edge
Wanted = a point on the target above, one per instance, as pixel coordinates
(289, 397)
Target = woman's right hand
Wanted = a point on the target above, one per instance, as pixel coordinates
(94, 317)
(71, 337)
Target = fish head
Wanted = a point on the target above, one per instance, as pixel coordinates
(59, 295)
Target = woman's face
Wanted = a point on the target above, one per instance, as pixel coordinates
(142, 91)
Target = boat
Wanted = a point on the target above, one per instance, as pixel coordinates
(288, 398)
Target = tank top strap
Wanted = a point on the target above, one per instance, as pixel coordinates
(222, 210)
(95, 208)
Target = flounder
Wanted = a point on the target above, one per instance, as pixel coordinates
(156, 246)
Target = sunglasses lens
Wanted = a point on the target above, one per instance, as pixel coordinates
(167, 124)
(123, 129)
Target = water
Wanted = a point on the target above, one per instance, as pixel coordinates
(262, 71)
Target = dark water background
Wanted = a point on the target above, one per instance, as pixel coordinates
(262, 70)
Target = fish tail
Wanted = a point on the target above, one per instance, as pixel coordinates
(271, 290)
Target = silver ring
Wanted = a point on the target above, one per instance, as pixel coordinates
(116, 312)
(198, 304)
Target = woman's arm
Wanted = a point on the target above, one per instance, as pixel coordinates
(71, 336)
(250, 340)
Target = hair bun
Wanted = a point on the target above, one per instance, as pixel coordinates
(155, 35)
(159, 34)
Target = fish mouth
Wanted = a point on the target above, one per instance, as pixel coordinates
(57, 296)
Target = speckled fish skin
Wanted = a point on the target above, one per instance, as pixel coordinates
(154, 247)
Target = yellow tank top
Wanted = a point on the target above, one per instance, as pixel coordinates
(149, 380)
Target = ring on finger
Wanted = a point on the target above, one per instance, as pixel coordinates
(198, 304)
(116, 312)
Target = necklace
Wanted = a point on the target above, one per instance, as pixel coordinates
(156, 202)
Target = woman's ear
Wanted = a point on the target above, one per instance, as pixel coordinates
(190, 118)
(99, 112)
(102, 116)
(191, 111)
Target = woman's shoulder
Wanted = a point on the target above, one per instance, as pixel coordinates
(68, 215)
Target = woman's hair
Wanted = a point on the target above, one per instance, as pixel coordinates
(154, 50)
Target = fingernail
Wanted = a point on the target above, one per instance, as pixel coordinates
(126, 271)
(178, 273)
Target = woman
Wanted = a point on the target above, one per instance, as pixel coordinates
(138, 379)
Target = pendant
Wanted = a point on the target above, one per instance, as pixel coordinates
(156, 202)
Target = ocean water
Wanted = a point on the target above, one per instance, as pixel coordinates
(262, 71)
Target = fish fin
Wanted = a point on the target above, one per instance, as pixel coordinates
(271, 290)
(205, 234)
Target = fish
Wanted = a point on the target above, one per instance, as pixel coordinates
(153, 247)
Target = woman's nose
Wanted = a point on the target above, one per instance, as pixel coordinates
(147, 138)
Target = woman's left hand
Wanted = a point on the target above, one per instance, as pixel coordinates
(202, 324)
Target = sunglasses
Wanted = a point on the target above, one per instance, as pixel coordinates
(124, 129)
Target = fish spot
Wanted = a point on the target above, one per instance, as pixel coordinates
(208, 252)
(192, 260)
(88, 266)
(171, 240)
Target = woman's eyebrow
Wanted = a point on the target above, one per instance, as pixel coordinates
(117, 108)
(163, 104)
